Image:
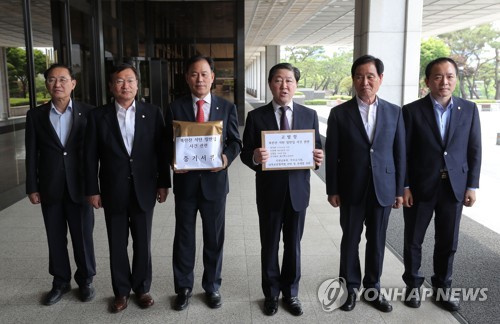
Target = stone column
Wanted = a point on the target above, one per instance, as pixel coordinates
(272, 58)
(391, 31)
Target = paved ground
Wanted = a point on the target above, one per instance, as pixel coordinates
(24, 274)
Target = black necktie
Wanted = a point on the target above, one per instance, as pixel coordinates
(284, 121)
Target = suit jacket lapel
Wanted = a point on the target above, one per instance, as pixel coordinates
(269, 118)
(76, 119)
(297, 113)
(430, 116)
(381, 119)
(353, 112)
(112, 120)
(215, 110)
(188, 109)
(456, 114)
(140, 119)
(47, 124)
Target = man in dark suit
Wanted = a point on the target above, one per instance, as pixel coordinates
(204, 190)
(54, 149)
(126, 165)
(282, 195)
(444, 161)
(365, 169)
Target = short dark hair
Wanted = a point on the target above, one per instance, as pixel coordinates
(439, 60)
(120, 67)
(198, 58)
(379, 65)
(284, 66)
(58, 65)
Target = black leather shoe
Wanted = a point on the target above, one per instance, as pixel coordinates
(378, 301)
(293, 305)
(87, 292)
(182, 299)
(213, 299)
(350, 303)
(145, 300)
(119, 303)
(446, 300)
(270, 306)
(412, 297)
(56, 293)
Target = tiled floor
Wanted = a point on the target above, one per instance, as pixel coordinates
(24, 274)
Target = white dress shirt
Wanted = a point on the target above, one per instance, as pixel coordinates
(369, 116)
(62, 122)
(126, 121)
(206, 106)
(289, 113)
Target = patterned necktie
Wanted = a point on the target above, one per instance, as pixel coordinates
(284, 121)
(200, 115)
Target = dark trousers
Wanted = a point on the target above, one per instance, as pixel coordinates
(213, 223)
(79, 218)
(375, 218)
(118, 225)
(448, 212)
(271, 223)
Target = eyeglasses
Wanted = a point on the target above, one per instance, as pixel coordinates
(62, 80)
(120, 82)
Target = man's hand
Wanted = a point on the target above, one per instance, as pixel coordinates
(224, 164)
(161, 194)
(95, 201)
(334, 200)
(260, 155)
(178, 171)
(318, 156)
(407, 198)
(469, 198)
(398, 202)
(35, 198)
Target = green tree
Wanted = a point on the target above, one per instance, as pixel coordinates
(301, 53)
(431, 49)
(318, 70)
(18, 68)
(468, 49)
(496, 46)
(486, 74)
(339, 66)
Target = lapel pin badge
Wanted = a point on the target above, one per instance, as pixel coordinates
(143, 116)
(459, 108)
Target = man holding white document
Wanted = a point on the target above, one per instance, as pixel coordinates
(283, 192)
(198, 187)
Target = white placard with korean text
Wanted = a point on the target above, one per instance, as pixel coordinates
(290, 149)
(198, 152)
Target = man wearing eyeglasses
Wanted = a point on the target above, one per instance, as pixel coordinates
(54, 179)
(126, 172)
